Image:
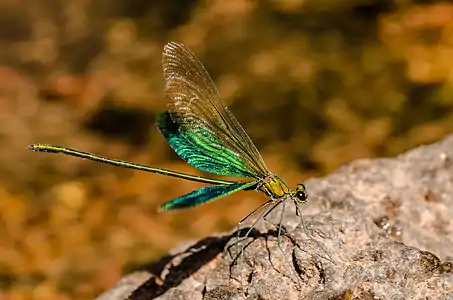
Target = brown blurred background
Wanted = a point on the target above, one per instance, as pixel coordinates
(316, 84)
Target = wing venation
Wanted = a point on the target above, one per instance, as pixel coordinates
(194, 103)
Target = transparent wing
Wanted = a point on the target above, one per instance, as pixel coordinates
(194, 103)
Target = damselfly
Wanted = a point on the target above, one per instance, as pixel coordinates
(203, 132)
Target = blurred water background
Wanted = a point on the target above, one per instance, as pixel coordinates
(315, 83)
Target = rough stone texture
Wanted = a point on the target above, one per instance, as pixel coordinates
(358, 257)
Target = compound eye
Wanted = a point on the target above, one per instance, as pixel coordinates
(301, 196)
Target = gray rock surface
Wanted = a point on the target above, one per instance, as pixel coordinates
(384, 223)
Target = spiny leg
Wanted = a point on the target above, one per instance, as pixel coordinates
(269, 222)
(279, 232)
(252, 226)
(306, 230)
(320, 233)
(266, 210)
(280, 225)
(238, 252)
(245, 218)
(280, 229)
(264, 213)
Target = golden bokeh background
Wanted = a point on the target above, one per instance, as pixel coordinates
(315, 83)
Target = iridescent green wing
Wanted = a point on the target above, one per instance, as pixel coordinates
(204, 195)
(204, 121)
(203, 159)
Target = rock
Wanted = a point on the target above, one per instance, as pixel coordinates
(354, 250)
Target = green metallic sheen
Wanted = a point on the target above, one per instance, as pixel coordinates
(204, 195)
(194, 103)
(205, 154)
(202, 131)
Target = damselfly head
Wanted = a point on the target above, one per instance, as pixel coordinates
(301, 193)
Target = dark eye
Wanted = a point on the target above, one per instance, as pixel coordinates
(301, 196)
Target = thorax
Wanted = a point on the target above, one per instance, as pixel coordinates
(274, 187)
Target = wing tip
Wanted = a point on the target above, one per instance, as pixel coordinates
(161, 210)
(172, 46)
